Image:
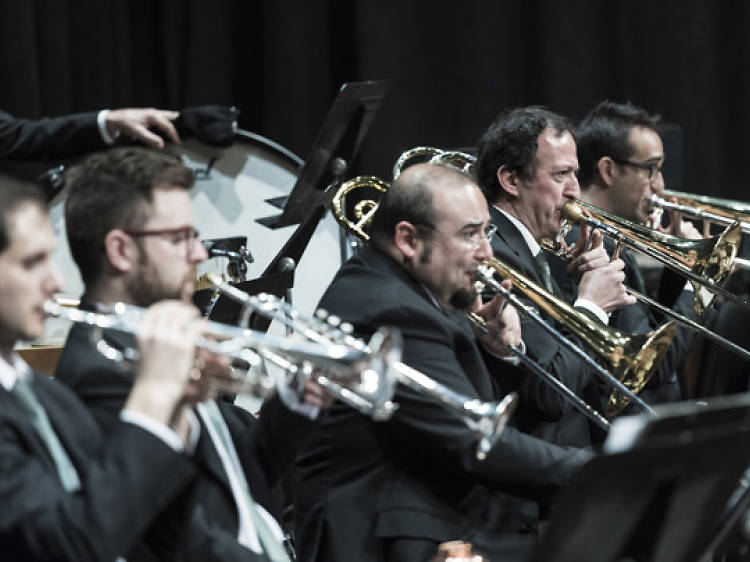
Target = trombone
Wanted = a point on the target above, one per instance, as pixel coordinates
(707, 209)
(604, 341)
(486, 419)
(705, 263)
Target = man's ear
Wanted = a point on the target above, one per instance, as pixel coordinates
(508, 181)
(606, 168)
(406, 239)
(120, 250)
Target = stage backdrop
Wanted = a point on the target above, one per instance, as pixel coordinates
(453, 66)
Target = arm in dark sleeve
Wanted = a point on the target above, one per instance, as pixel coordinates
(49, 137)
(133, 477)
(433, 435)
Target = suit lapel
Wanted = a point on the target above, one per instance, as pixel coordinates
(509, 237)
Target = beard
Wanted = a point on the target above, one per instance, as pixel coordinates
(463, 299)
(146, 287)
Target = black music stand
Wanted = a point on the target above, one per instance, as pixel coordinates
(661, 498)
(335, 147)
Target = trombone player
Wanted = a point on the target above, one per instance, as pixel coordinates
(526, 168)
(392, 491)
(621, 154)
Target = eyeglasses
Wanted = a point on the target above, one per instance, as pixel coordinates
(472, 239)
(652, 168)
(184, 234)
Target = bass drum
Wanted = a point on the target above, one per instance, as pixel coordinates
(231, 190)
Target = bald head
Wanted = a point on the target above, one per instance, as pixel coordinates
(412, 198)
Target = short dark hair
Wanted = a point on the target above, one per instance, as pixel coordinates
(511, 142)
(113, 189)
(404, 201)
(605, 131)
(13, 194)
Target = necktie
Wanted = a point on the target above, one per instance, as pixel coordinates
(39, 419)
(543, 264)
(271, 545)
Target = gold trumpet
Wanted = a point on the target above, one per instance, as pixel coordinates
(705, 263)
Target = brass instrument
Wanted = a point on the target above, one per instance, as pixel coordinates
(367, 372)
(705, 263)
(364, 209)
(709, 209)
(631, 358)
(486, 419)
(465, 160)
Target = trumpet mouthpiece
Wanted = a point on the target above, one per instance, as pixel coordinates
(573, 212)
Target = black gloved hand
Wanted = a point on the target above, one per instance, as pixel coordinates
(211, 124)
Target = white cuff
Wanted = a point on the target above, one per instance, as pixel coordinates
(101, 122)
(159, 430)
(688, 287)
(512, 359)
(593, 307)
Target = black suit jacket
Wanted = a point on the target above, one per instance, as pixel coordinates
(545, 413)
(266, 446)
(361, 482)
(49, 137)
(127, 480)
(639, 318)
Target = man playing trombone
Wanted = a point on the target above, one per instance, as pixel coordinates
(621, 155)
(526, 168)
(68, 491)
(132, 234)
(391, 491)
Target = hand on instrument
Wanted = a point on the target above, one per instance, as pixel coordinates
(679, 227)
(502, 324)
(135, 123)
(166, 342)
(593, 258)
(314, 395)
(604, 287)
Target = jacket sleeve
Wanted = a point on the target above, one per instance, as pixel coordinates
(49, 137)
(132, 478)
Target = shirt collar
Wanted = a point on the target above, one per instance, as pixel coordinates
(533, 245)
(9, 372)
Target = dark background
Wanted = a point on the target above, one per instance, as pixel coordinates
(453, 66)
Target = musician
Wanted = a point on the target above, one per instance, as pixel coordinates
(527, 168)
(621, 154)
(132, 234)
(67, 491)
(391, 491)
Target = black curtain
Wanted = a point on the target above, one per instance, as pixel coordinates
(453, 66)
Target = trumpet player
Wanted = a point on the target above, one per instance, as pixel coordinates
(392, 491)
(621, 154)
(68, 492)
(526, 168)
(132, 234)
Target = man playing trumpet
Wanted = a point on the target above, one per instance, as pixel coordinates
(67, 491)
(132, 234)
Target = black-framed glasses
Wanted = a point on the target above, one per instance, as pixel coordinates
(653, 168)
(473, 239)
(186, 234)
